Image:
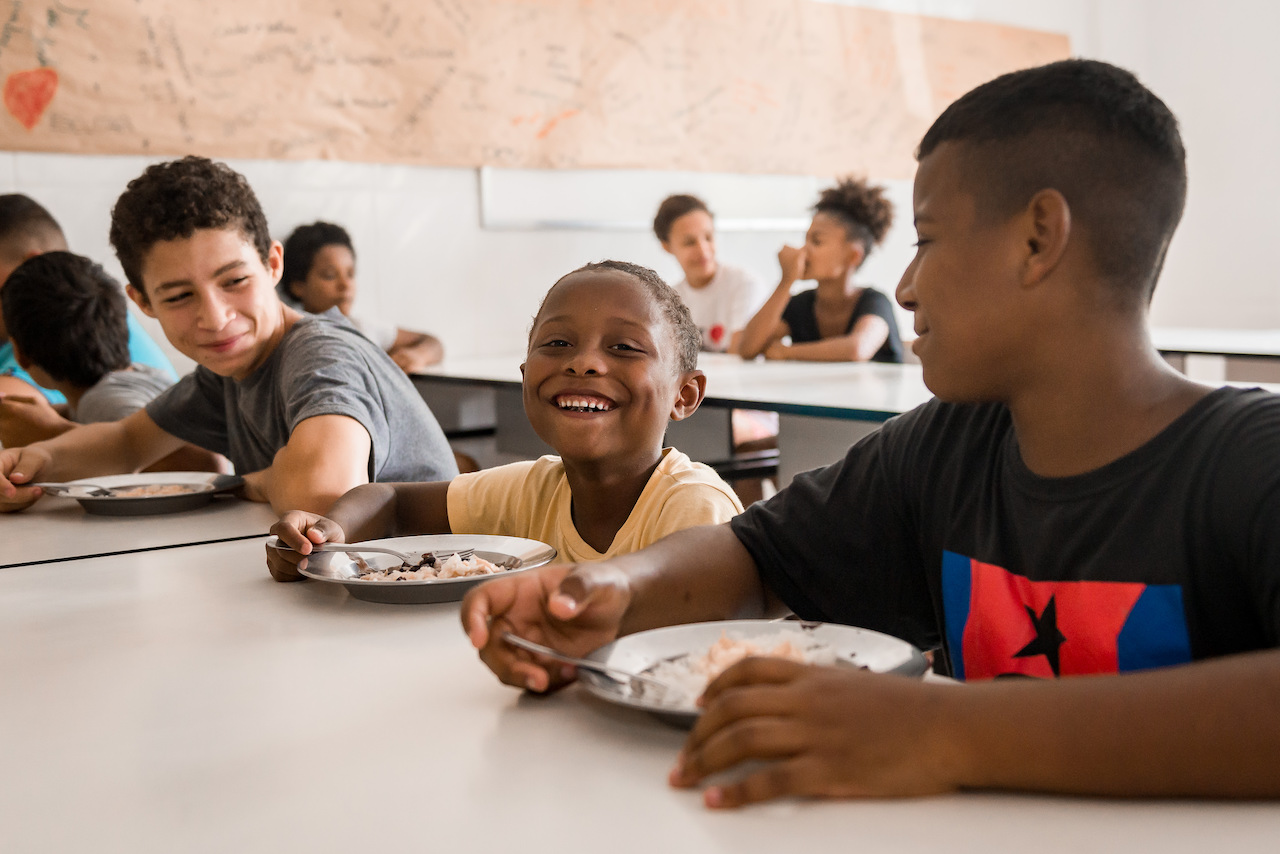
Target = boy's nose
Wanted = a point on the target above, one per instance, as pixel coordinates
(585, 360)
(215, 312)
(906, 291)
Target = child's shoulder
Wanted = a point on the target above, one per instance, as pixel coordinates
(528, 475)
(676, 472)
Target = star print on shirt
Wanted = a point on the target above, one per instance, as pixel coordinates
(1048, 639)
(1079, 626)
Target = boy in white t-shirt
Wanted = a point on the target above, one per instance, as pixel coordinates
(721, 298)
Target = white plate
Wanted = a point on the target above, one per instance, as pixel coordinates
(340, 568)
(641, 651)
(204, 487)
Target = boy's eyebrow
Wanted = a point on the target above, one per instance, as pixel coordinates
(626, 321)
(186, 283)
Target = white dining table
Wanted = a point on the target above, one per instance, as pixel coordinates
(180, 700)
(823, 407)
(57, 529)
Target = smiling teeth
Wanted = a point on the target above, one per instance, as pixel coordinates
(583, 404)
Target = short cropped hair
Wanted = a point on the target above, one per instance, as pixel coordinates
(671, 209)
(300, 250)
(1092, 132)
(171, 201)
(68, 316)
(685, 335)
(861, 208)
(26, 226)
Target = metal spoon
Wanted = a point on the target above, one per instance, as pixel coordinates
(617, 674)
(73, 490)
(408, 558)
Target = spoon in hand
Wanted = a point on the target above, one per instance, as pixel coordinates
(615, 673)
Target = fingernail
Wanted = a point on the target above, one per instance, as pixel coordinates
(568, 601)
(568, 672)
(529, 684)
(713, 797)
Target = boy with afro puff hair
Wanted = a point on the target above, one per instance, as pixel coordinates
(304, 406)
(1087, 537)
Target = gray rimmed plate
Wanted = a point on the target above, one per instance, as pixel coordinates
(199, 488)
(341, 568)
(638, 653)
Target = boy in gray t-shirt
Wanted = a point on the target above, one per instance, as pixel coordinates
(305, 409)
(120, 393)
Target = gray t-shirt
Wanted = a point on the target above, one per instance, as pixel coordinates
(322, 366)
(120, 394)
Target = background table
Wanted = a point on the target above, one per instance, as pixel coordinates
(179, 700)
(823, 407)
(55, 529)
(1251, 355)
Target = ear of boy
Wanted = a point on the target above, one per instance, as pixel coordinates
(693, 387)
(140, 299)
(1047, 223)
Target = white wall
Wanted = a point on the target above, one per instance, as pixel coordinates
(426, 262)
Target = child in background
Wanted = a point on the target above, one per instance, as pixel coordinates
(721, 298)
(1069, 506)
(839, 320)
(303, 406)
(26, 230)
(612, 359)
(66, 322)
(320, 274)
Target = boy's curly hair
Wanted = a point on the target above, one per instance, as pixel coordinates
(685, 335)
(861, 208)
(171, 201)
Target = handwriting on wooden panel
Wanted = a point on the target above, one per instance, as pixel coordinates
(720, 85)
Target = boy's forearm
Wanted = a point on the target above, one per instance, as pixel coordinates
(377, 510)
(758, 334)
(1204, 730)
(691, 576)
(112, 447)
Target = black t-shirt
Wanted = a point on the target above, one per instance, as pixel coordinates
(801, 318)
(934, 530)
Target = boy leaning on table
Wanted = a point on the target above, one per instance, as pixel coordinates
(304, 407)
(1068, 505)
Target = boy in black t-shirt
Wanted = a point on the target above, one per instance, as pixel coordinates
(1069, 505)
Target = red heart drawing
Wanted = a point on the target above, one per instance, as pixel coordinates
(27, 93)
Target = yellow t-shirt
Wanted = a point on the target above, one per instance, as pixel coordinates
(532, 499)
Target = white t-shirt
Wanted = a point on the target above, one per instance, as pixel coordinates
(725, 305)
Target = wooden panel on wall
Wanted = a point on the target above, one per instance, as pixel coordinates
(751, 86)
